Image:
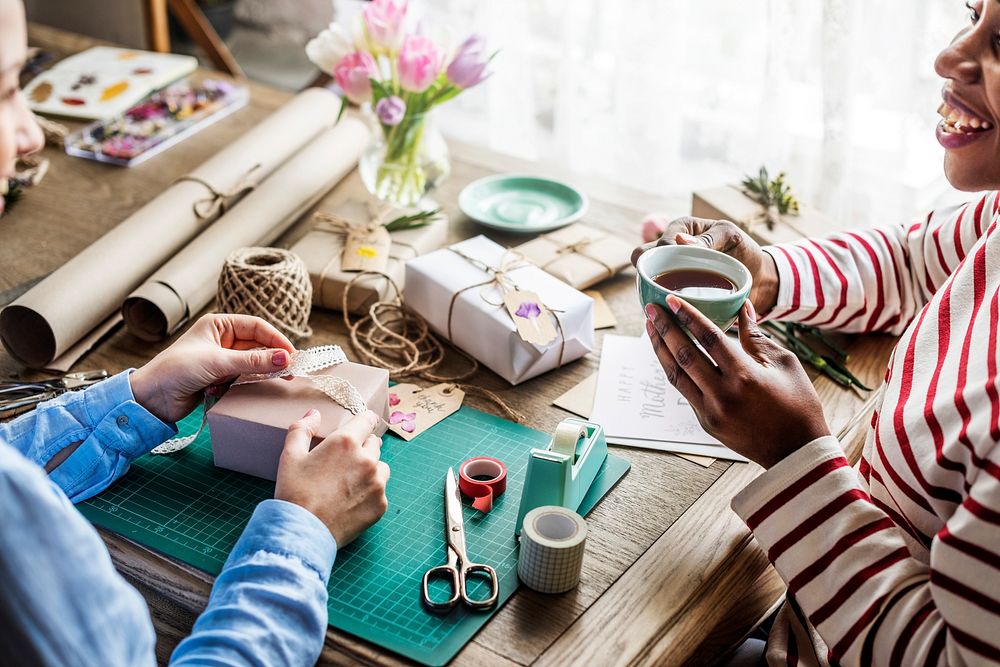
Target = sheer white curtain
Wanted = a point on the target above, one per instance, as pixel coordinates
(673, 95)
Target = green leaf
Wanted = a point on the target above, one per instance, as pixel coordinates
(419, 219)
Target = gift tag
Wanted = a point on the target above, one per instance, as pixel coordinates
(413, 410)
(532, 319)
(603, 317)
(366, 249)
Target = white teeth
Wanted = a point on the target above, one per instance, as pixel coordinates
(958, 121)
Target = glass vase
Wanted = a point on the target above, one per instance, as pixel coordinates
(404, 162)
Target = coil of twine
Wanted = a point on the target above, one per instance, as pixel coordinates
(270, 283)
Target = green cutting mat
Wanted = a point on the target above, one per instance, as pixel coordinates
(185, 507)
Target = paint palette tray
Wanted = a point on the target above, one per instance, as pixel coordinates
(104, 81)
(158, 122)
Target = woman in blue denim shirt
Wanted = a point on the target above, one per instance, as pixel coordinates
(61, 601)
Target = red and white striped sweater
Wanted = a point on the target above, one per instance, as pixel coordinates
(897, 561)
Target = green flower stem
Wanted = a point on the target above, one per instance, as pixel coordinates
(401, 178)
(825, 365)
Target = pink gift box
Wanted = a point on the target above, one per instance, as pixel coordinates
(249, 424)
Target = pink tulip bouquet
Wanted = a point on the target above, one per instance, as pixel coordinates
(399, 75)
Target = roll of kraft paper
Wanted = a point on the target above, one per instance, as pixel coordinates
(552, 545)
(484, 479)
(187, 283)
(81, 294)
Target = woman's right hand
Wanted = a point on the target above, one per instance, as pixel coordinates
(726, 237)
(340, 480)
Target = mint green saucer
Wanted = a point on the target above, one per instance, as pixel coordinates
(522, 204)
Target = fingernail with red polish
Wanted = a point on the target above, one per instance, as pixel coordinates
(650, 311)
(279, 358)
(310, 412)
(673, 303)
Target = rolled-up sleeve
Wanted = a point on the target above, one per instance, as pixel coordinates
(104, 423)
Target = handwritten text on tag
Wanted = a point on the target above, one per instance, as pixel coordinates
(413, 410)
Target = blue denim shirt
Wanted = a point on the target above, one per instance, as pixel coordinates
(63, 603)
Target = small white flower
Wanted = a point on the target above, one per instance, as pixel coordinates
(327, 48)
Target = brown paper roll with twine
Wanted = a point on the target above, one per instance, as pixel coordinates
(270, 283)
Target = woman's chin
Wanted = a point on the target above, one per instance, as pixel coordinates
(967, 176)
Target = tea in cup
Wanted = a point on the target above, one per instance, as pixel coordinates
(711, 281)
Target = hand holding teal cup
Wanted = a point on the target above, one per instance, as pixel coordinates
(721, 307)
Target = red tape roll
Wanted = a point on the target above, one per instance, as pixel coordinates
(491, 482)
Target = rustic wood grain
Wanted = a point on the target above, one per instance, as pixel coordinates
(670, 573)
(717, 575)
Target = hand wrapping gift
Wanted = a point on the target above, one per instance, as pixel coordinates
(249, 424)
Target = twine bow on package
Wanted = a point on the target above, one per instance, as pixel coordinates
(351, 250)
(509, 314)
(578, 255)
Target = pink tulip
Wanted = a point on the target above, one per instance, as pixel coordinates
(352, 74)
(419, 63)
(469, 66)
(384, 23)
(653, 227)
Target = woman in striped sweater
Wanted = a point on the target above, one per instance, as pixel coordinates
(896, 561)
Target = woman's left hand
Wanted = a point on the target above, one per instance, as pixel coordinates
(758, 401)
(214, 351)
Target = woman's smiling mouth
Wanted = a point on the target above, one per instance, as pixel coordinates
(959, 125)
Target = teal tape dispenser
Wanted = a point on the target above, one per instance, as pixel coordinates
(562, 473)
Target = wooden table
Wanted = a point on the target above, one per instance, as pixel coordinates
(671, 575)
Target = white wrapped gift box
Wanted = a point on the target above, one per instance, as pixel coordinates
(481, 325)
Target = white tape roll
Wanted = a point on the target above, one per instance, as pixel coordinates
(552, 544)
(566, 436)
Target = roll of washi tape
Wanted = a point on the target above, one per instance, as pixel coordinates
(482, 478)
(566, 438)
(552, 544)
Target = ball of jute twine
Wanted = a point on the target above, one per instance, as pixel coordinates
(270, 283)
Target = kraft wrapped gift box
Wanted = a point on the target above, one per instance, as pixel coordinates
(485, 329)
(322, 250)
(729, 202)
(248, 425)
(578, 255)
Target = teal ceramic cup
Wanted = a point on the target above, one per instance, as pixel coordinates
(723, 309)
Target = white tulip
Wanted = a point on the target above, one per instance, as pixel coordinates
(327, 48)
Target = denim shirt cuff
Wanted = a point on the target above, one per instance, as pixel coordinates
(287, 529)
(127, 426)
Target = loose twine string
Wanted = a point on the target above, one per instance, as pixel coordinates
(271, 283)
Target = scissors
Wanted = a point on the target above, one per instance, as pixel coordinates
(17, 396)
(458, 567)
